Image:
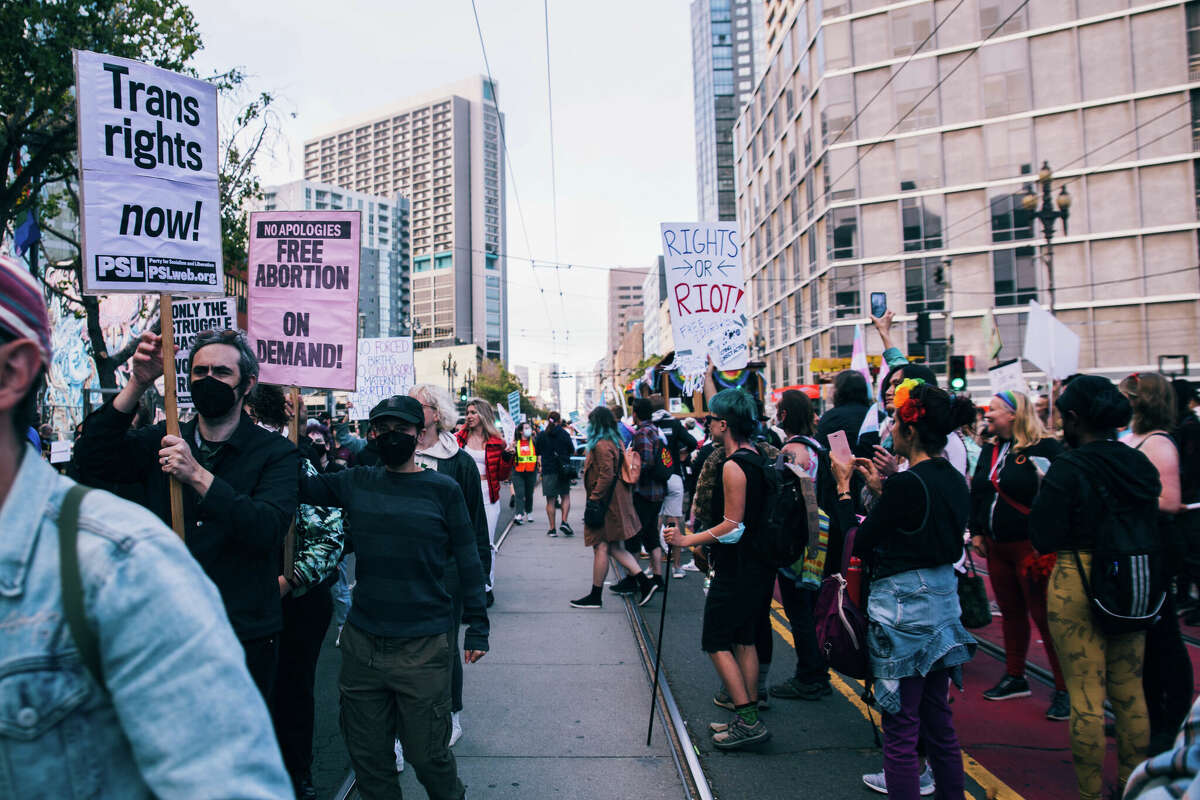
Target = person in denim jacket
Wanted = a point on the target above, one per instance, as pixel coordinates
(910, 541)
(177, 714)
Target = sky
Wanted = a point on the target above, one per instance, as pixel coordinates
(622, 113)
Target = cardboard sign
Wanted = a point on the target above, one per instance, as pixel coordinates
(514, 404)
(706, 293)
(303, 311)
(147, 178)
(189, 318)
(1008, 377)
(385, 368)
(1051, 346)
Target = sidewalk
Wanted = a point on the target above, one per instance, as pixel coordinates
(558, 708)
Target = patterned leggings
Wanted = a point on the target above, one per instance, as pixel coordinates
(1096, 666)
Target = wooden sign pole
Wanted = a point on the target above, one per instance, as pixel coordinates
(289, 543)
(170, 402)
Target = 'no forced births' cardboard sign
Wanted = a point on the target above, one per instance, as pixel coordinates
(303, 304)
(150, 213)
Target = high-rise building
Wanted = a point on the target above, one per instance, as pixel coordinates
(888, 146)
(656, 317)
(624, 304)
(727, 59)
(443, 150)
(385, 259)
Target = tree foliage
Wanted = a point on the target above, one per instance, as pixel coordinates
(494, 384)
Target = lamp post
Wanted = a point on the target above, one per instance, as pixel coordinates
(470, 382)
(451, 369)
(1048, 214)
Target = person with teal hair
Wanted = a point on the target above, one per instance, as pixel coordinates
(740, 593)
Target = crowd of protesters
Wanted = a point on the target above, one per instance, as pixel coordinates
(224, 644)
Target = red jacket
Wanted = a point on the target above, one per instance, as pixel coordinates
(497, 460)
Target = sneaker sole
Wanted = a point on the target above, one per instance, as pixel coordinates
(726, 706)
(649, 594)
(874, 788)
(740, 743)
(586, 605)
(1057, 718)
(1013, 696)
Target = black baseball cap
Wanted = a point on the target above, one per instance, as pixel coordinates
(401, 407)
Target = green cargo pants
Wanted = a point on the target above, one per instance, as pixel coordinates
(397, 688)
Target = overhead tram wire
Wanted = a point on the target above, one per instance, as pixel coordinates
(554, 173)
(512, 174)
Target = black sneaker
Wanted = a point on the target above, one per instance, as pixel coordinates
(627, 585)
(566, 530)
(722, 700)
(1009, 688)
(793, 689)
(1060, 706)
(648, 589)
(553, 534)
(588, 601)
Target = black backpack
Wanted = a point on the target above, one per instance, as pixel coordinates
(782, 537)
(1128, 584)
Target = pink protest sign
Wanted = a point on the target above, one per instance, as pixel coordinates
(302, 319)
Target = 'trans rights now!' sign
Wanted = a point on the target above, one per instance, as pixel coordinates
(303, 309)
(150, 212)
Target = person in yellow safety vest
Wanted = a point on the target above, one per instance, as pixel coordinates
(524, 475)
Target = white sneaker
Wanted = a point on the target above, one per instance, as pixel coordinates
(399, 757)
(691, 567)
(338, 641)
(679, 573)
(878, 782)
(455, 728)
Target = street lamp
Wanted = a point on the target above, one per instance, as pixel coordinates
(1048, 214)
(470, 382)
(451, 369)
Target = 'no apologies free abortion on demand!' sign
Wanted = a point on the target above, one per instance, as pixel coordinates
(150, 212)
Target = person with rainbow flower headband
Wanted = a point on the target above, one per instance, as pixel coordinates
(910, 542)
(1003, 488)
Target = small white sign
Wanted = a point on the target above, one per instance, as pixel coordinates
(1049, 345)
(60, 452)
(1008, 377)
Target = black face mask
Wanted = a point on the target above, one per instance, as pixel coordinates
(213, 398)
(396, 448)
(318, 448)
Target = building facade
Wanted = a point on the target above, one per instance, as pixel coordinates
(727, 60)
(385, 256)
(887, 148)
(625, 306)
(657, 339)
(444, 151)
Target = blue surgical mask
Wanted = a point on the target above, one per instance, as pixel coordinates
(734, 535)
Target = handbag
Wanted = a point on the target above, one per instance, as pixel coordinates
(972, 597)
(841, 625)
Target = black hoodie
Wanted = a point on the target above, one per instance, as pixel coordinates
(1068, 510)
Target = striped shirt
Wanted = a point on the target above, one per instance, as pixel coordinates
(405, 528)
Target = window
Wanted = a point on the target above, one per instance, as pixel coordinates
(803, 78)
(1014, 276)
(916, 105)
(933, 351)
(798, 321)
(837, 45)
(845, 291)
(995, 14)
(922, 227)
(840, 173)
(919, 162)
(924, 285)
(1010, 222)
(837, 109)
(1193, 40)
(1012, 334)
(1009, 148)
(910, 27)
(1005, 71)
(842, 236)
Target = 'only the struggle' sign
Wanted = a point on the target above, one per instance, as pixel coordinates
(148, 178)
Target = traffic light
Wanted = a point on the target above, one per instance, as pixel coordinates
(958, 373)
(924, 328)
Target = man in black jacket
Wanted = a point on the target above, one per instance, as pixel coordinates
(555, 447)
(239, 481)
(850, 405)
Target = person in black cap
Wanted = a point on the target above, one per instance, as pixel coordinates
(407, 523)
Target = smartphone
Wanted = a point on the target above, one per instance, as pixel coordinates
(878, 304)
(839, 446)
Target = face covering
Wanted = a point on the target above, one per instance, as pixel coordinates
(318, 448)
(526, 432)
(213, 398)
(396, 448)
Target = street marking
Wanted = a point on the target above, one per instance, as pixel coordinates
(993, 787)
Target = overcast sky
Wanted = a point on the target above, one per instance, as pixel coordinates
(622, 89)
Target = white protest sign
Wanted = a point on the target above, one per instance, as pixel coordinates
(189, 318)
(1050, 345)
(1008, 377)
(149, 212)
(60, 452)
(385, 368)
(706, 293)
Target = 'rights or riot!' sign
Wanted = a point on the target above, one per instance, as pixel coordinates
(385, 368)
(148, 178)
(303, 312)
(706, 294)
(190, 317)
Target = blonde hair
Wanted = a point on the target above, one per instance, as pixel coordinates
(434, 395)
(1027, 425)
(487, 416)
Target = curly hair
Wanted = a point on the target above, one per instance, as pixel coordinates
(932, 413)
(434, 395)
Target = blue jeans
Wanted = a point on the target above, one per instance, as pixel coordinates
(341, 590)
